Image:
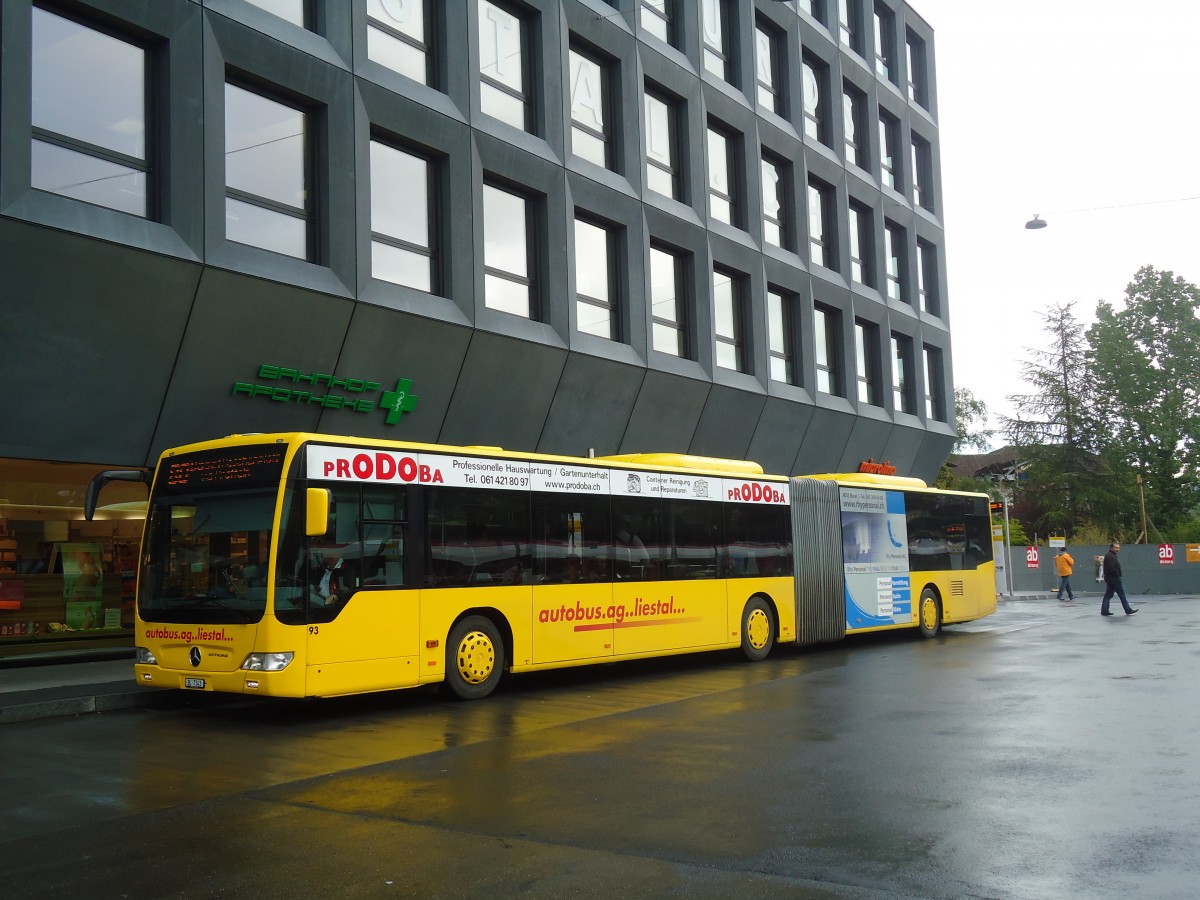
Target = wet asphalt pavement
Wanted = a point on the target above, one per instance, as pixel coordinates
(1044, 752)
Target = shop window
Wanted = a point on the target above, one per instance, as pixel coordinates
(61, 577)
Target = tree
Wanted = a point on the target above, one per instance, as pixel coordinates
(970, 423)
(1054, 425)
(1147, 370)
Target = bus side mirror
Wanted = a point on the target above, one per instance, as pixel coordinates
(316, 518)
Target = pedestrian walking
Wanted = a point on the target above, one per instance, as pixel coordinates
(1064, 563)
(1112, 581)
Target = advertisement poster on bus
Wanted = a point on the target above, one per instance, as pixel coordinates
(875, 557)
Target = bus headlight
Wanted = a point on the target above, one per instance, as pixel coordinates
(143, 656)
(267, 662)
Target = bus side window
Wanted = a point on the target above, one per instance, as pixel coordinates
(384, 519)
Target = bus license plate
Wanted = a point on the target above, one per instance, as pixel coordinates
(197, 683)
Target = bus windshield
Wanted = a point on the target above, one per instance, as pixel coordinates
(208, 538)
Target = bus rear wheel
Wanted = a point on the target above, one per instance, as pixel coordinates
(930, 613)
(758, 629)
(474, 658)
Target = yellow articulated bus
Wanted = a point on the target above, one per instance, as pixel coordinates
(307, 565)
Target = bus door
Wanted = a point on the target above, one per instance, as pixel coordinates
(363, 615)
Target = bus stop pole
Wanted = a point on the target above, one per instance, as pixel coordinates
(1007, 547)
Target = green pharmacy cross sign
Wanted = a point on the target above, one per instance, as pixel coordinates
(319, 389)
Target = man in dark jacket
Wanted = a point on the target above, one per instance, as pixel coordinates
(1112, 581)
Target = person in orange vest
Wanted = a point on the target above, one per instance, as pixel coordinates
(1065, 565)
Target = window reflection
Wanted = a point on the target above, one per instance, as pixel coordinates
(662, 170)
(502, 91)
(727, 322)
(400, 213)
(666, 314)
(774, 217)
(88, 111)
(589, 126)
(779, 337)
(593, 280)
(396, 36)
(265, 169)
(507, 286)
(720, 180)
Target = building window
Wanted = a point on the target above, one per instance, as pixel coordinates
(850, 25)
(922, 163)
(590, 137)
(503, 50)
(595, 264)
(658, 18)
(927, 278)
(89, 116)
(507, 282)
(885, 42)
(291, 10)
(779, 337)
(815, 8)
(918, 85)
(889, 137)
(668, 327)
(266, 173)
(902, 350)
(866, 353)
(816, 99)
(861, 245)
(894, 246)
(401, 216)
(722, 166)
(820, 224)
(826, 340)
(662, 147)
(728, 322)
(935, 400)
(714, 26)
(854, 109)
(775, 207)
(396, 37)
(766, 68)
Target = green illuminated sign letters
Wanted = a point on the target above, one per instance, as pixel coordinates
(320, 392)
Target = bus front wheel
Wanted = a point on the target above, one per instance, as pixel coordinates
(474, 658)
(758, 629)
(930, 613)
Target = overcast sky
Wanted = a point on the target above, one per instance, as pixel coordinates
(1077, 110)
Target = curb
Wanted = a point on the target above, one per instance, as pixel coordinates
(94, 700)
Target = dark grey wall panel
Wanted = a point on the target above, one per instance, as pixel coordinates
(238, 324)
(727, 423)
(387, 346)
(781, 430)
(903, 448)
(868, 439)
(825, 444)
(594, 399)
(88, 333)
(934, 450)
(666, 414)
(503, 393)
